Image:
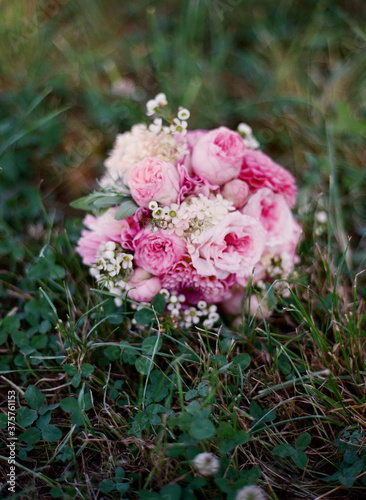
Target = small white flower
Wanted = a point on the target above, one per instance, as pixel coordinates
(150, 106)
(183, 114)
(251, 142)
(165, 293)
(153, 205)
(161, 99)
(110, 245)
(243, 128)
(202, 304)
(156, 126)
(250, 493)
(321, 217)
(207, 464)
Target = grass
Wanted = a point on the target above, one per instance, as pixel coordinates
(109, 409)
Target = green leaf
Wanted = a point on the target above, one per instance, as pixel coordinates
(303, 441)
(30, 436)
(57, 493)
(51, 433)
(148, 495)
(87, 369)
(107, 485)
(43, 420)
(25, 416)
(70, 405)
(122, 487)
(241, 437)
(242, 361)
(39, 341)
(283, 450)
(119, 473)
(144, 365)
(225, 430)
(97, 200)
(20, 339)
(75, 381)
(113, 353)
(144, 316)
(10, 324)
(127, 208)
(171, 492)
(190, 394)
(34, 397)
(202, 428)
(151, 344)
(255, 410)
(70, 369)
(159, 303)
(300, 458)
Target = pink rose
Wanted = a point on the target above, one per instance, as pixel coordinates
(154, 179)
(236, 191)
(260, 171)
(101, 229)
(234, 246)
(142, 286)
(275, 216)
(218, 155)
(157, 252)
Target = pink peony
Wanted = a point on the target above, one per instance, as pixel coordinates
(236, 191)
(183, 278)
(142, 286)
(218, 155)
(157, 252)
(274, 214)
(235, 246)
(102, 229)
(260, 171)
(153, 179)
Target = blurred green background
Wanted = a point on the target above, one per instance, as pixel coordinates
(74, 73)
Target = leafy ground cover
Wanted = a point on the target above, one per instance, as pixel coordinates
(107, 407)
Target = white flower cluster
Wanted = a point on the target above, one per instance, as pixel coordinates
(206, 464)
(187, 317)
(198, 214)
(178, 126)
(247, 134)
(112, 264)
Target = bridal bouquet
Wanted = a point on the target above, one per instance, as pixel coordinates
(192, 215)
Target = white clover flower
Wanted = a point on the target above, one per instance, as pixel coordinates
(206, 464)
(251, 493)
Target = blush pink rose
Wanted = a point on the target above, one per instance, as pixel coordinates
(260, 171)
(101, 229)
(236, 191)
(154, 179)
(157, 252)
(234, 246)
(218, 155)
(143, 287)
(275, 216)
